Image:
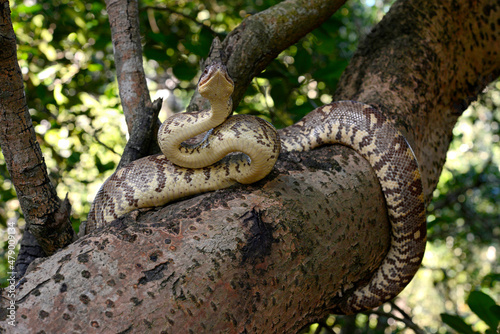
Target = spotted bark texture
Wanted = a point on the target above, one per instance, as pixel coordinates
(229, 261)
(373, 136)
(423, 65)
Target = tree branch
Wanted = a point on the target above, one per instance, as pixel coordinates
(426, 77)
(272, 256)
(190, 18)
(224, 261)
(141, 115)
(46, 216)
(262, 37)
(407, 321)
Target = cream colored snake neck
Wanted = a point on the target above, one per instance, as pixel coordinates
(186, 170)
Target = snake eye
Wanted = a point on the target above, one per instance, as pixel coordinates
(203, 76)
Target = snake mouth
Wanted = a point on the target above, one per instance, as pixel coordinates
(215, 74)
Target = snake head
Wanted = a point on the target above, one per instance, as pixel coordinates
(215, 83)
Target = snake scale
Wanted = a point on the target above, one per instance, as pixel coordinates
(185, 170)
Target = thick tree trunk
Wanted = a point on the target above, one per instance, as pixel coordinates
(225, 261)
(275, 255)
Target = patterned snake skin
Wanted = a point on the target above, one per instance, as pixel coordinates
(372, 135)
(159, 179)
(156, 180)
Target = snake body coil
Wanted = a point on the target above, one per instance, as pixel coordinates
(186, 170)
(372, 135)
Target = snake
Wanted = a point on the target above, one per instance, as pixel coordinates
(188, 169)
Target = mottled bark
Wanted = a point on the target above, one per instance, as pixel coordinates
(424, 69)
(46, 218)
(140, 113)
(273, 256)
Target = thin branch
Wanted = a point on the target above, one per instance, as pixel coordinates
(188, 17)
(103, 144)
(140, 113)
(400, 310)
(408, 322)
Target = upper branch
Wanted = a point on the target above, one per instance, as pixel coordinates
(141, 115)
(424, 69)
(261, 37)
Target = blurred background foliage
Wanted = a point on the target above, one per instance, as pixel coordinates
(66, 58)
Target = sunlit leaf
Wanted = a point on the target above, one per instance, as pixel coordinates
(483, 305)
(58, 95)
(22, 8)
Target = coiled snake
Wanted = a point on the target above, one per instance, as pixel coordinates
(159, 179)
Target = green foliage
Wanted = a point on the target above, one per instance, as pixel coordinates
(66, 59)
(484, 307)
(463, 217)
(457, 323)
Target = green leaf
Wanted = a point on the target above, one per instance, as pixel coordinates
(74, 158)
(457, 323)
(303, 61)
(496, 310)
(155, 53)
(326, 42)
(297, 112)
(490, 280)
(205, 41)
(332, 71)
(484, 306)
(184, 71)
(103, 167)
(27, 9)
(157, 37)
